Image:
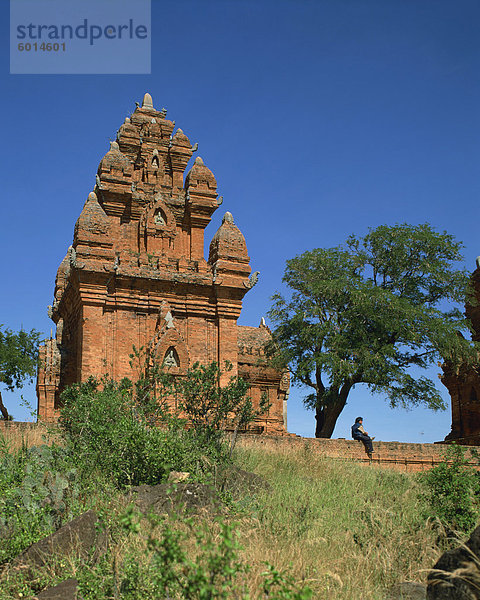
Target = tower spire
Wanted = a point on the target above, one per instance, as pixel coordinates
(147, 102)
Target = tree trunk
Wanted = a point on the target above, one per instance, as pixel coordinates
(3, 410)
(328, 410)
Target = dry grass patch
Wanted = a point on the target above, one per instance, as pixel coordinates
(337, 525)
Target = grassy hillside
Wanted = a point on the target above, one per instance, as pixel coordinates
(302, 526)
(350, 531)
(340, 529)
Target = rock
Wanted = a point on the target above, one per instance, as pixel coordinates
(407, 590)
(167, 498)
(79, 535)
(239, 482)
(456, 575)
(66, 590)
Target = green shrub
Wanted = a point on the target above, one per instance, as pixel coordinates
(452, 490)
(208, 407)
(39, 490)
(132, 432)
(108, 432)
(210, 569)
(211, 408)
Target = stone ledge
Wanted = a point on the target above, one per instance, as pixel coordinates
(402, 456)
(20, 425)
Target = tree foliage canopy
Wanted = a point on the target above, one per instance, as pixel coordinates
(18, 359)
(368, 312)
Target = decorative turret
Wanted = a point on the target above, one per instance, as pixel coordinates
(228, 243)
(472, 306)
(114, 159)
(92, 221)
(147, 103)
(200, 179)
(180, 153)
(114, 176)
(91, 240)
(201, 193)
(180, 139)
(62, 277)
(228, 250)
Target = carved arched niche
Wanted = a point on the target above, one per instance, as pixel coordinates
(171, 359)
(154, 167)
(168, 344)
(157, 228)
(159, 218)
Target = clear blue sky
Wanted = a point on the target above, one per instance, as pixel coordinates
(318, 118)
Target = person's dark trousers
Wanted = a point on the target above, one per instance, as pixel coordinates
(367, 442)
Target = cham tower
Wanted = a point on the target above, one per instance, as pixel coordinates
(463, 383)
(136, 275)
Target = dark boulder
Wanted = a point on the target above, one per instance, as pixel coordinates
(240, 483)
(66, 590)
(168, 498)
(180, 495)
(77, 536)
(456, 575)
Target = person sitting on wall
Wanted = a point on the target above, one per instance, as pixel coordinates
(359, 433)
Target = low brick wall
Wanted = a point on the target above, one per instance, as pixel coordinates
(19, 433)
(20, 426)
(400, 456)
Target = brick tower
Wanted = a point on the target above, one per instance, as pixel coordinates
(136, 274)
(463, 383)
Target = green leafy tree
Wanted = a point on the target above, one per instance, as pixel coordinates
(18, 360)
(368, 312)
(212, 408)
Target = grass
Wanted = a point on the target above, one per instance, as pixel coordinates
(345, 530)
(337, 525)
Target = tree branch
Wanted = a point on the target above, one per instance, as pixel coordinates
(318, 376)
(306, 380)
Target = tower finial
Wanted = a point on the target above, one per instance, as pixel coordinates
(227, 218)
(147, 102)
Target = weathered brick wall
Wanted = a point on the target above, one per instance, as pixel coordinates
(400, 456)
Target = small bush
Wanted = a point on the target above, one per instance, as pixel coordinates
(109, 432)
(133, 431)
(452, 490)
(208, 407)
(211, 408)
